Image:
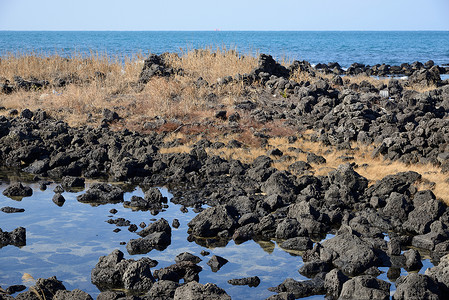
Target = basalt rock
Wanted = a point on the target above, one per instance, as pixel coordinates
(17, 237)
(249, 281)
(114, 272)
(18, 190)
(101, 193)
(416, 286)
(213, 220)
(365, 287)
(197, 291)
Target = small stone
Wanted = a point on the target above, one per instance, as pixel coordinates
(216, 262)
(116, 230)
(175, 223)
(113, 211)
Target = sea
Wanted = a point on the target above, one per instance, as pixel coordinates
(344, 47)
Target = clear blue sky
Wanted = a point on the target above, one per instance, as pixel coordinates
(224, 15)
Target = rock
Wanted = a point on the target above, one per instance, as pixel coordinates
(14, 289)
(350, 253)
(109, 115)
(315, 159)
(312, 268)
(412, 260)
(46, 288)
(416, 286)
(17, 237)
(423, 215)
(301, 289)
(113, 271)
(221, 115)
(299, 167)
(197, 291)
(108, 272)
(216, 262)
(297, 244)
(58, 199)
(249, 281)
(175, 223)
(333, 282)
(10, 210)
(394, 247)
(186, 256)
(282, 296)
(17, 190)
(213, 220)
(70, 182)
(101, 193)
(162, 290)
(111, 295)
(365, 287)
(186, 270)
(440, 274)
(397, 206)
(72, 295)
(154, 65)
(137, 276)
(399, 183)
(155, 240)
(280, 184)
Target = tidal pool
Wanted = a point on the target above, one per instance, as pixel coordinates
(67, 242)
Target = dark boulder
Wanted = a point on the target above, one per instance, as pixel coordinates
(186, 256)
(440, 274)
(154, 65)
(365, 287)
(333, 282)
(348, 252)
(297, 244)
(216, 262)
(113, 271)
(197, 291)
(137, 276)
(17, 237)
(279, 183)
(162, 290)
(155, 240)
(249, 281)
(58, 199)
(186, 270)
(213, 220)
(43, 289)
(416, 286)
(11, 210)
(301, 289)
(412, 260)
(312, 268)
(399, 183)
(76, 294)
(424, 214)
(17, 190)
(101, 193)
(71, 182)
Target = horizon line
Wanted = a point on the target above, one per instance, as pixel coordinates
(224, 30)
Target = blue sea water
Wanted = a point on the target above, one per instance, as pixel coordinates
(344, 47)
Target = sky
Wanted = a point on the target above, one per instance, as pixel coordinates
(224, 15)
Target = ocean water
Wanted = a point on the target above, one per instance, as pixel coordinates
(344, 47)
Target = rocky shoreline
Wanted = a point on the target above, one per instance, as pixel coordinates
(379, 225)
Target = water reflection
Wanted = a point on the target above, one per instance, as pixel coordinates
(67, 240)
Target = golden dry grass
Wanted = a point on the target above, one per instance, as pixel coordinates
(174, 97)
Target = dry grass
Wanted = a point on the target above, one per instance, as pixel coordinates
(174, 97)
